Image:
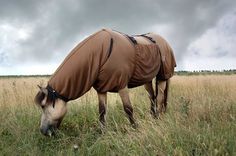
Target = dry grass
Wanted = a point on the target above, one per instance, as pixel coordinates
(200, 121)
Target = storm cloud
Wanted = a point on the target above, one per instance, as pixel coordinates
(43, 32)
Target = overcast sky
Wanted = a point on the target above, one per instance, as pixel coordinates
(36, 35)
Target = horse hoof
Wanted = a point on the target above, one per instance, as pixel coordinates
(102, 127)
(134, 125)
(155, 115)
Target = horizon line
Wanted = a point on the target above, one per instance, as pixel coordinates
(178, 71)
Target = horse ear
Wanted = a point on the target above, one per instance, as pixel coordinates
(39, 87)
(44, 90)
(41, 97)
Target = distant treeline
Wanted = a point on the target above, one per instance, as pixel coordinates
(181, 72)
(207, 72)
(22, 76)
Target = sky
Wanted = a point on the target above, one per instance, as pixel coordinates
(36, 36)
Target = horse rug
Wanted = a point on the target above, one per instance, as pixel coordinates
(109, 61)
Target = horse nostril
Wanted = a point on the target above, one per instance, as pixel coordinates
(43, 131)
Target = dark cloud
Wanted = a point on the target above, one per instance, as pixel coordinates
(57, 25)
(20, 11)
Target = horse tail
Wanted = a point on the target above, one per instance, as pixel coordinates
(166, 94)
(156, 87)
(163, 87)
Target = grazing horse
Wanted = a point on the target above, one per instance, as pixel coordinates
(108, 61)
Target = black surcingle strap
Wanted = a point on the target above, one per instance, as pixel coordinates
(110, 48)
(149, 38)
(53, 95)
(132, 39)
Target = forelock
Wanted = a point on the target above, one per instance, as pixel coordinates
(39, 97)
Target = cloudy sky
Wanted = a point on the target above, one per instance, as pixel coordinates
(36, 35)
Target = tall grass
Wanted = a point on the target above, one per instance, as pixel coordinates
(200, 120)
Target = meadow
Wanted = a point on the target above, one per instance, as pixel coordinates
(200, 120)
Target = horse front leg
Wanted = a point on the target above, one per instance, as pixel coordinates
(124, 94)
(102, 101)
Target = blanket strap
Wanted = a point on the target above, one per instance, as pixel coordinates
(110, 48)
(149, 38)
(52, 94)
(132, 39)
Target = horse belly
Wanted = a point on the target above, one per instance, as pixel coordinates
(116, 72)
(147, 65)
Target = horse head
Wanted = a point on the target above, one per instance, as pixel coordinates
(53, 110)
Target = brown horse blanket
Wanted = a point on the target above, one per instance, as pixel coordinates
(109, 61)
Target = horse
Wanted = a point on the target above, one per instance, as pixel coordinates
(108, 61)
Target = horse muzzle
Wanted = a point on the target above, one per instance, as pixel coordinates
(47, 131)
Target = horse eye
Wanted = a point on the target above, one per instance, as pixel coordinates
(42, 107)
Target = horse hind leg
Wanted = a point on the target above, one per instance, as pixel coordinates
(166, 95)
(102, 101)
(161, 96)
(124, 94)
(149, 88)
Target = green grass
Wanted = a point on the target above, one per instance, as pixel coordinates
(200, 120)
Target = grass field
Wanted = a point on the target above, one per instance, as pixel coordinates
(200, 120)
